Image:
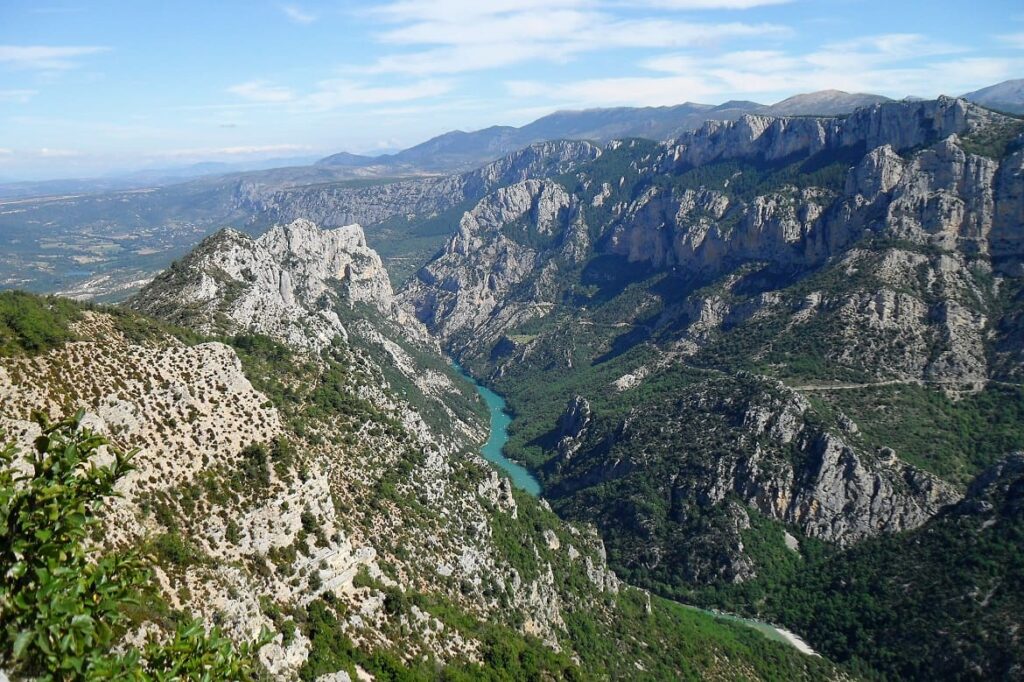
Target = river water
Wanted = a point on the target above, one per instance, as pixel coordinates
(492, 451)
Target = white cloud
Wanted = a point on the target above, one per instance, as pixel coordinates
(340, 93)
(262, 91)
(1015, 40)
(884, 64)
(17, 96)
(49, 153)
(45, 57)
(459, 36)
(333, 94)
(241, 150)
(6, 152)
(297, 15)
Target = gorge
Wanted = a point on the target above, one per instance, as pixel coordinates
(770, 367)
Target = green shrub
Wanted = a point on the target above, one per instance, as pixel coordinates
(63, 606)
(33, 324)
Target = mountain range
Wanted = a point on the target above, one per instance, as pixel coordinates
(458, 151)
(770, 365)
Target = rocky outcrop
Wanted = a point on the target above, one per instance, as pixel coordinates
(286, 284)
(338, 204)
(719, 451)
(822, 485)
(902, 125)
(845, 497)
(499, 244)
(572, 426)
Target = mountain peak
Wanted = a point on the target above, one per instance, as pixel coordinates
(286, 284)
(824, 103)
(1006, 96)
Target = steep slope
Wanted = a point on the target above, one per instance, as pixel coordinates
(285, 284)
(332, 492)
(640, 313)
(941, 602)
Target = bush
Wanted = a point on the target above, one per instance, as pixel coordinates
(32, 324)
(61, 604)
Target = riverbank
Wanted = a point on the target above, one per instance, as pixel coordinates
(521, 477)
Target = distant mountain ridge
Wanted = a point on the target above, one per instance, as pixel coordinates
(1007, 96)
(460, 150)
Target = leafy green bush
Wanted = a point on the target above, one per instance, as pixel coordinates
(62, 604)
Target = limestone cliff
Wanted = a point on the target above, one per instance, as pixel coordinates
(879, 249)
(286, 284)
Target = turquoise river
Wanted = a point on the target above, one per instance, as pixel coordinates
(493, 451)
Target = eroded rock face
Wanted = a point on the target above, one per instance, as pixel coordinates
(338, 205)
(748, 441)
(902, 186)
(497, 247)
(572, 425)
(942, 196)
(848, 497)
(286, 284)
(902, 125)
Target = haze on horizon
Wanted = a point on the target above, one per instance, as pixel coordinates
(92, 88)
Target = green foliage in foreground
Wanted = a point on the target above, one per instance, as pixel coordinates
(62, 604)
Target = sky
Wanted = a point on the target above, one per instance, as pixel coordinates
(93, 88)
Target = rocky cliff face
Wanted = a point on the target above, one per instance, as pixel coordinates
(286, 284)
(877, 249)
(713, 444)
(940, 196)
(500, 243)
(338, 204)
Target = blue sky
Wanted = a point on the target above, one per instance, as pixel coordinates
(91, 87)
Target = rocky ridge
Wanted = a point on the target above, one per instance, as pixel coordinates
(865, 250)
(285, 284)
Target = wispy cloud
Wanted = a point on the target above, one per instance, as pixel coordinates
(262, 91)
(50, 153)
(240, 150)
(298, 15)
(1015, 40)
(338, 93)
(17, 96)
(887, 64)
(459, 36)
(45, 57)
